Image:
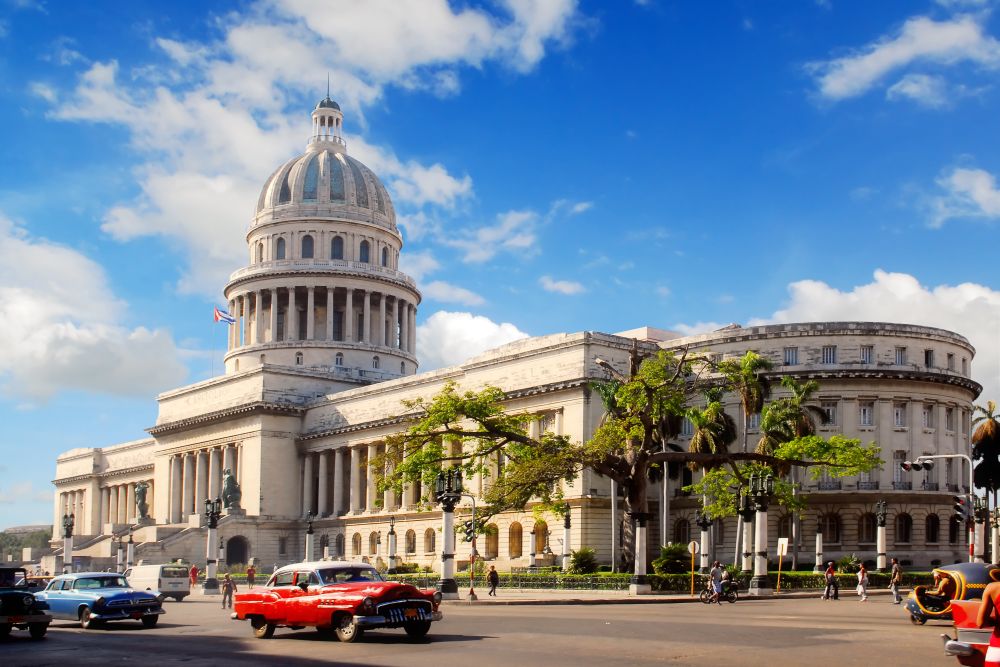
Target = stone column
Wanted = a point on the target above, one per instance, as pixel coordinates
(122, 503)
(189, 492)
(329, 313)
(340, 461)
(349, 316)
(380, 337)
(175, 490)
(370, 488)
(112, 504)
(214, 473)
(310, 313)
(394, 340)
(819, 552)
(639, 584)
(105, 506)
(274, 315)
(760, 585)
(388, 497)
(880, 554)
(201, 475)
(228, 462)
(292, 317)
(307, 483)
(404, 327)
(413, 328)
(355, 472)
(323, 508)
(366, 333)
(246, 319)
(130, 512)
(258, 317)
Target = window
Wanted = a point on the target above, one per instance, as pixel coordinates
(283, 578)
(402, 368)
(372, 543)
(411, 542)
(715, 358)
(312, 178)
(339, 359)
(285, 194)
(950, 361)
(899, 415)
(356, 544)
(785, 525)
(898, 457)
(429, 539)
(375, 362)
(336, 179)
(360, 187)
(949, 473)
(791, 356)
(830, 527)
(515, 540)
(363, 256)
(904, 528)
(830, 408)
(682, 531)
(900, 356)
(385, 257)
(867, 528)
(337, 248)
(866, 413)
(298, 358)
(829, 354)
(687, 428)
(965, 366)
(932, 528)
(867, 352)
(927, 416)
(280, 251)
(954, 530)
(282, 546)
(949, 419)
(492, 542)
(307, 246)
(929, 358)
(754, 422)
(260, 253)
(339, 542)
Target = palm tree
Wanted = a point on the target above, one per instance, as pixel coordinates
(745, 377)
(713, 430)
(986, 447)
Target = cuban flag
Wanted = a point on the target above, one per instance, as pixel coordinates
(222, 316)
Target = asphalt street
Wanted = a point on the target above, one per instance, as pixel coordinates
(772, 632)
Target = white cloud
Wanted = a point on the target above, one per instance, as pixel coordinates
(581, 207)
(418, 264)
(920, 40)
(663, 291)
(63, 327)
(448, 293)
(514, 232)
(448, 338)
(969, 193)
(929, 91)
(560, 286)
(969, 309)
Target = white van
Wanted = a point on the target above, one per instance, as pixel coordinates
(169, 579)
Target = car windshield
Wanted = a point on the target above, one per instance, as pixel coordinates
(100, 582)
(10, 578)
(341, 575)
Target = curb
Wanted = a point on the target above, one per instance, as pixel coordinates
(798, 595)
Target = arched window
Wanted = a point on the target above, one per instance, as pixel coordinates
(298, 358)
(285, 194)
(904, 528)
(682, 531)
(324, 544)
(339, 359)
(337, 248)
(541, 531)
(867, 528)
(307, 246)
(411, 542)
(402, 368)
(954, 530)
(363, 255)
(429, 537)
(311, 181)
(932, 528)
(336, 179)
(830, 527)
(372, 543)
(375, 362)
(356, 544)
(339, 546)
(514, 547)
(492, 541)
(260, 253)
(385, 257)
(280, 250)
(785, 525)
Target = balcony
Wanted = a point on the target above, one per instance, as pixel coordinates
(929, 486)
(902, 486)
(322, 265)
(829, 485)
(867, 486)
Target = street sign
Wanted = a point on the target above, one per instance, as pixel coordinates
(782, 546)
(693, 547)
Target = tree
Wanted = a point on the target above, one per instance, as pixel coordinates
(745, 377)
(986, 447)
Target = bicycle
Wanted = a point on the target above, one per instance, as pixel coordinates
(729, 592)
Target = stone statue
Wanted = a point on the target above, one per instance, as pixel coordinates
(231, 493)
(140, 499)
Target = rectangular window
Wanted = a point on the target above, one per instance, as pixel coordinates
(282, 545)
(791, 356)
(754, 422)
(829, 354)
(867, 353)
(949, 471)
(715, 358)
(949, 419)
(928, 416)
(830, 408)
(687, 429)
(965, 366)
(900, 356)
(898, 457)
(866, 413)
(929, 358)
(951, 361)
(899, 414)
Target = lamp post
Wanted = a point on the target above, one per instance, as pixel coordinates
(819, 550)
(761, 488)
(705, 524)
(531, 554)
(309, 536)
(639, 585)
(982, 517)
(746, 511)
(995, 535)
(881, 510)
(926, 461)
(565, 547)
(120, 555)
(448, 491)
(67, 522)
(392, 544)
(222, 551)
(130, 550)
(213, 510)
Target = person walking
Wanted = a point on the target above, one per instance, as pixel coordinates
(895, 580)
(228, 588)
(832, 591)
(251, 575)
(716, 578)
(194, 575)
(493, 579)
(863, 583)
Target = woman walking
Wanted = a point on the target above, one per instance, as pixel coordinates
(863, 583)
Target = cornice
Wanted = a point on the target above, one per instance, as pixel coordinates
(247, 409)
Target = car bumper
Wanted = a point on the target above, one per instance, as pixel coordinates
(382, 621)
(957, 648)
(125, 614)
(18, 619)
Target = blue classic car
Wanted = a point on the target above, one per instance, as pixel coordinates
(95, 597)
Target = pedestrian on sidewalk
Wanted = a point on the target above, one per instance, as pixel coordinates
(863, 583)
(895, 580)
(832, 591)
(716, 577)
(228, 588)
(493, 579)
(193, 574)
(251, 575)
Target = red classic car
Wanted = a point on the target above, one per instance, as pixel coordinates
(336, 598)
(971, 641)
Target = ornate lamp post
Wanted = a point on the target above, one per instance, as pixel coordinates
(982, 514)
(392, 544)
(531, 554)
(705, 523)
(761, 488)
(881, 510)
(67, 523)
(819, 550)
(309, 535)
(565, 546)
(746, 510)
(213, 510)
(120, 554)
(130, 550)
(639, 584)
(995, 535)
(448, 491)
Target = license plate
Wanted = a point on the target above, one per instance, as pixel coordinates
(410, 613)
(136, 615)
(16, 619)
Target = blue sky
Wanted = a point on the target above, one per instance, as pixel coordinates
(556, 166)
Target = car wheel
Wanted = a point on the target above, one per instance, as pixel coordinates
(347, 630)
(417, 629)
(37, 630)
(179, 598)
(5, 629)
(87, 621)
(262, 629)
(149, 621)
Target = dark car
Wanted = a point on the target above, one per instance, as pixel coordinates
(93, 598)
(19, 608)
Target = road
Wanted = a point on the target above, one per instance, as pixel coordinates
(773, 632)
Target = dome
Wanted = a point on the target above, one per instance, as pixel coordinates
(327, 103)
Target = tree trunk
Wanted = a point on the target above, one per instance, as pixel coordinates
(635, 503)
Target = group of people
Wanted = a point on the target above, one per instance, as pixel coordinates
(227, 585)
(720, 578)
(832, 591)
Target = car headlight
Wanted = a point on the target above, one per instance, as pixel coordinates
(98, 602)
(437, 598)
(368, 605)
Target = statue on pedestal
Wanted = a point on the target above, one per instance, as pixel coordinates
(231, 493)
(142, 508)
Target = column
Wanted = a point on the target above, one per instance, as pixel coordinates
(880, 554)
(214, 472)
(201, 476)
(187, 502)
(747, 521)
(307, 483)
(760, 585)
(412, 310)
(366, 327)
(227, 458)
(310, 313)
(329, 313)
(258, 317)
(105, 506)
(380, 337)
(229, 328)
(370, 488)
(122, 504)
(819, 552)
(246, 318)
(291, 317)
(389, 496)
(112, 504)
(349, 316)
(323, 505)
(339, 460)
(404, 328)
(130, 512)
(175, 490)
(274, 314)
(355, 472)
(394, 340)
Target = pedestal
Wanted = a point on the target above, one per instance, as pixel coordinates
(211, 585)
(447, 585)
(234, 511)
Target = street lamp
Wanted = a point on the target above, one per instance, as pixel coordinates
(448, 491)
(120, 554)
(213, 511)
(67, 522)
(922, 462)
(309, 535)
(881, 511)
(746, 510)
(704, 522)
(130, 550)
(761, 489)
(531, 554)
(392, 544)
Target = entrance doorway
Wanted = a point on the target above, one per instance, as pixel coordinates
(237, 550)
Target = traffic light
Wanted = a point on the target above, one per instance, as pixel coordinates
(916, 465)
(961, 507)
(907, 466)
(470, 530)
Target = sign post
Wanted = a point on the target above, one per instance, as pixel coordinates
(693, 548)
(782, 550)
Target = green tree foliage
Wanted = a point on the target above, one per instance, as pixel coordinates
(583, 561)
(745, 376)
(674, 559)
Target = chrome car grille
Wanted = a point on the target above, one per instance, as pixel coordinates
(137, 602)
(395, 612)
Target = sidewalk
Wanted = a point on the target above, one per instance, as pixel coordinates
(524, 596)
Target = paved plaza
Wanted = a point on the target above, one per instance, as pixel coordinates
(760, 632)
